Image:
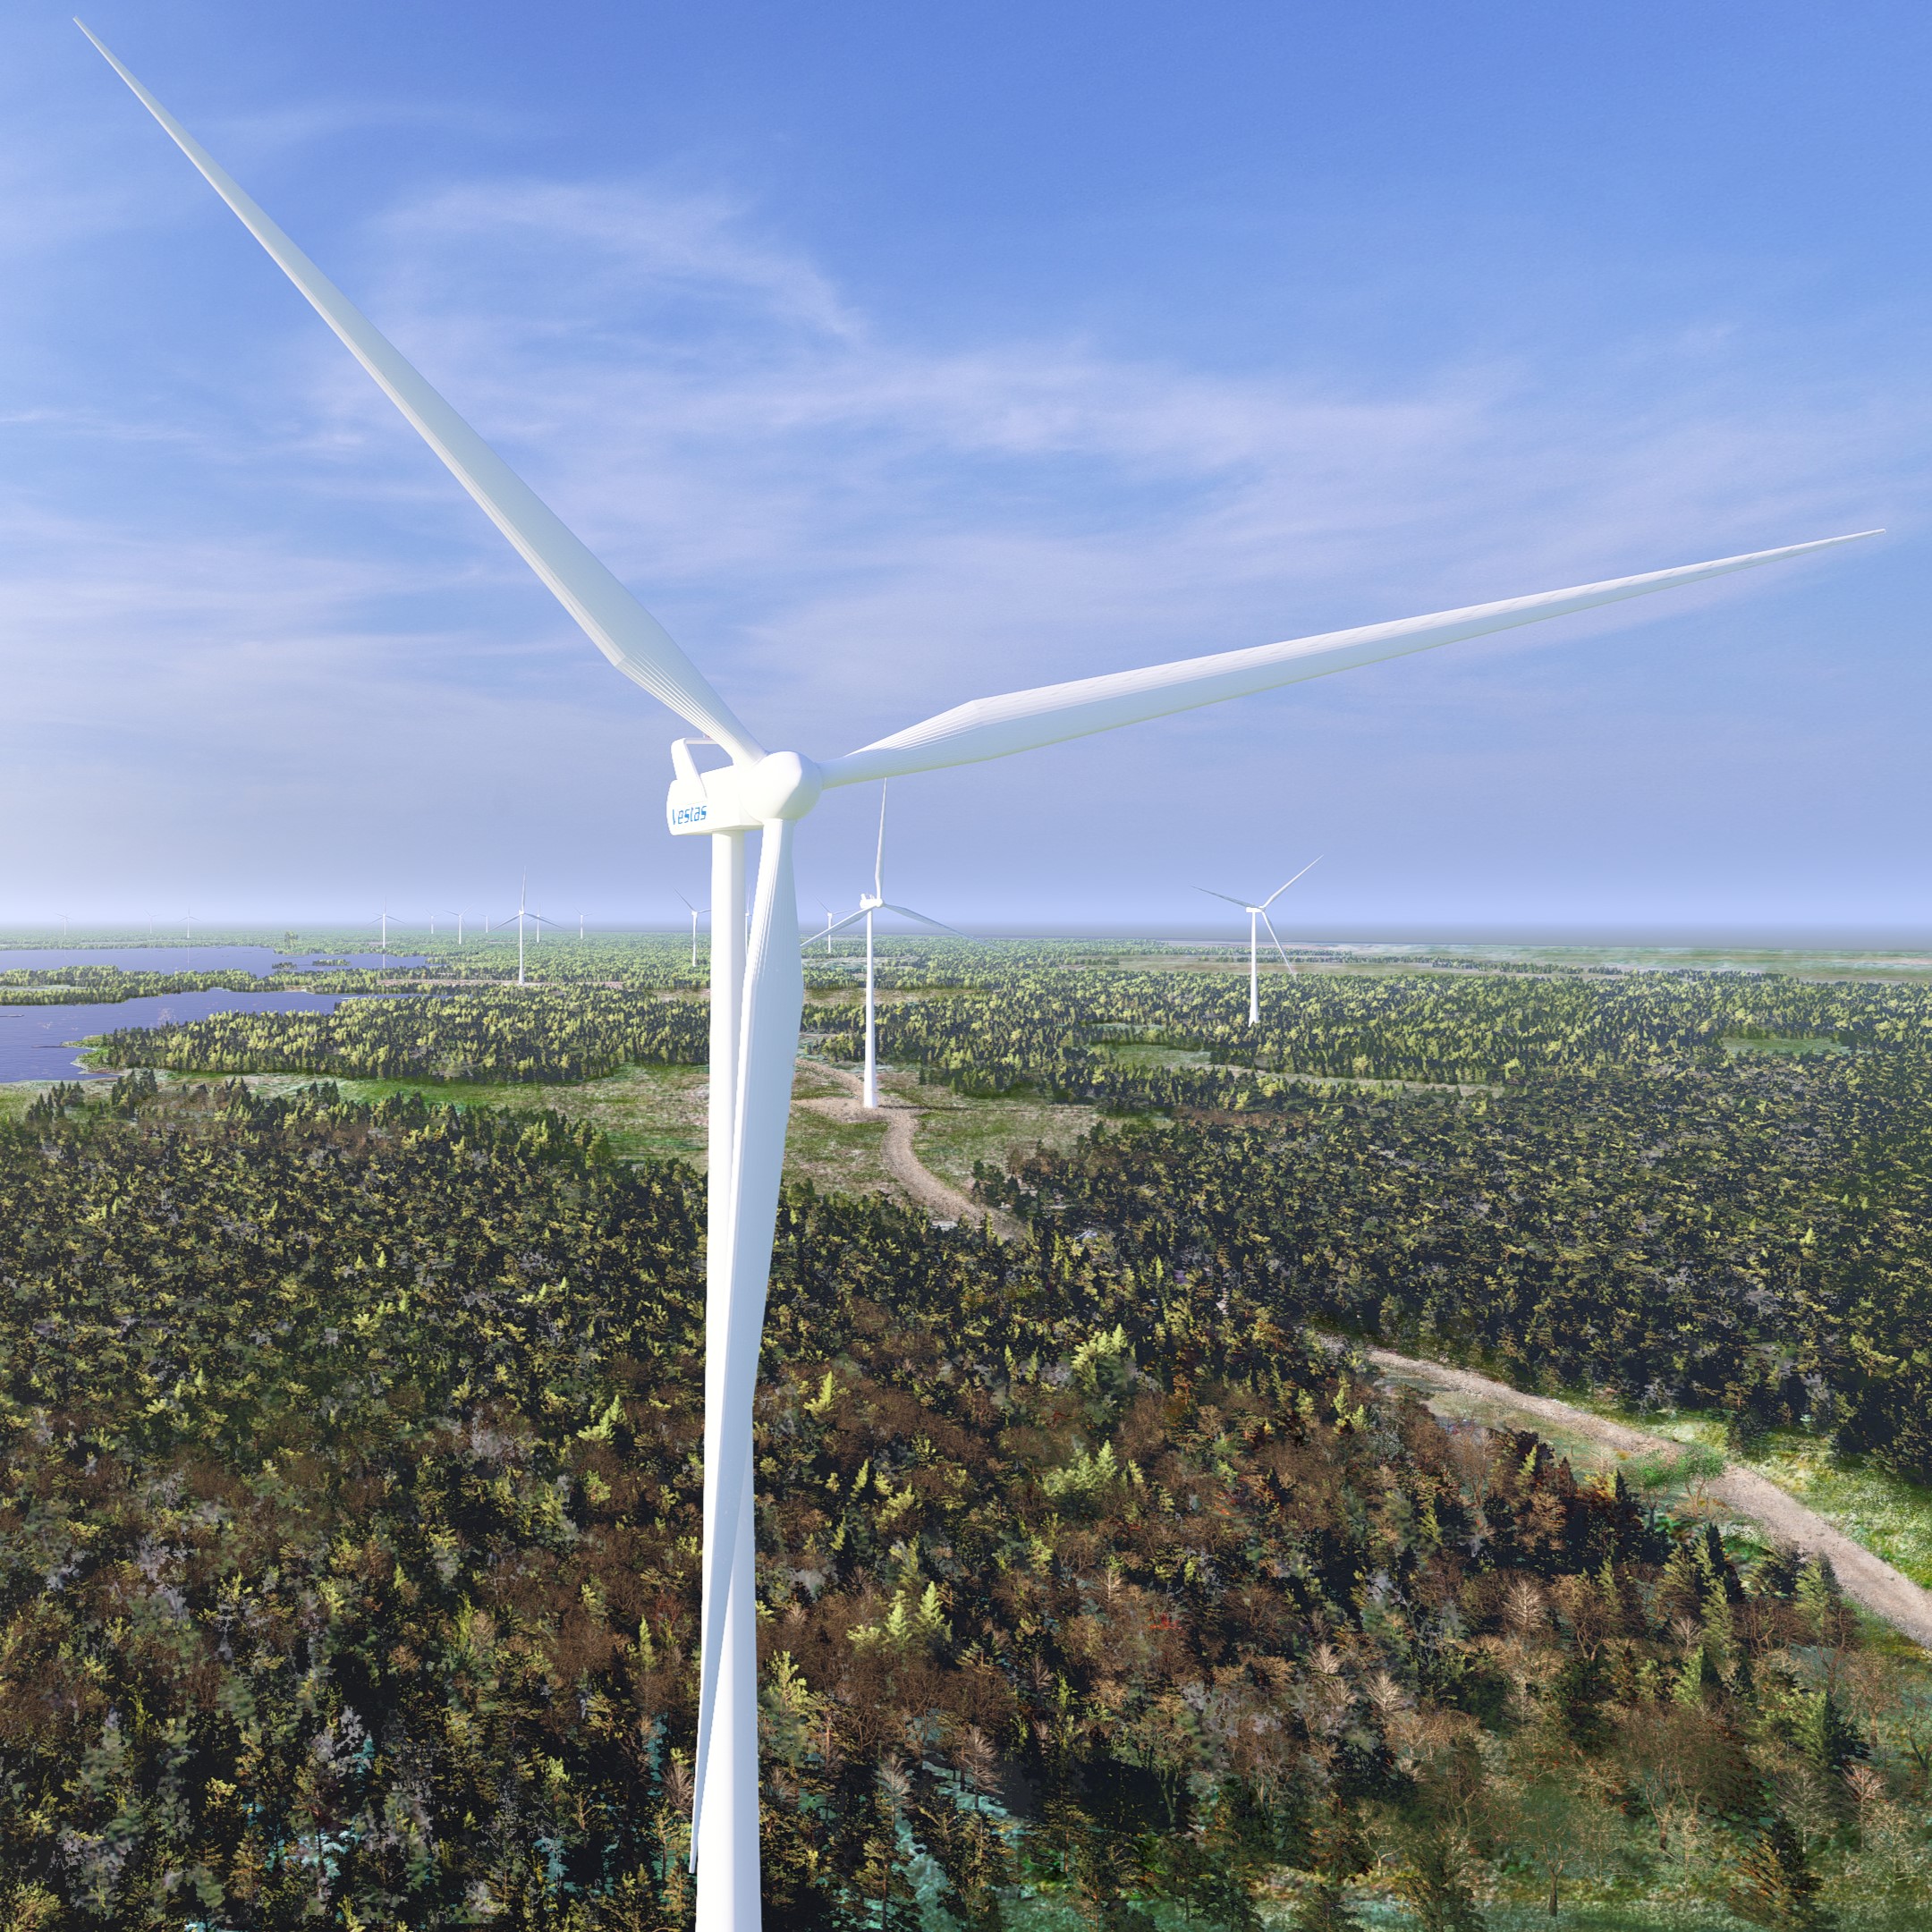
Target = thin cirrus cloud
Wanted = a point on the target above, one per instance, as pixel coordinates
(850, 525)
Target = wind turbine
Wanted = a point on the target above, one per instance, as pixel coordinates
(1258, 914)
(757, 986)
(521, 915)
(458, 917)
(870, 903)
(694, 918)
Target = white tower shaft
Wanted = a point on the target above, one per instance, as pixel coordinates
(871, 1094)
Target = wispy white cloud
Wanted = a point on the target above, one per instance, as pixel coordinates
(852, 526)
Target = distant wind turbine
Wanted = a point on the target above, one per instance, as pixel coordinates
(1258, 913)
(695, 916)
(870, 903)
(523, 916)
(756, 989)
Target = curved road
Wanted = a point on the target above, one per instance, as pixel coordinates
(1869, 1581)
(941, 1200)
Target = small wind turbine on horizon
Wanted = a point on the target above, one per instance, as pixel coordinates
(757, 987)
(695, 916)
(870, 903)
(1257, 914)
(523, 916)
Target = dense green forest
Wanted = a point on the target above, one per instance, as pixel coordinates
(1017, 1024)
(1623, 1203)
(486, 1034)
(348, 1561)
(1755, 1236)
(81, 985)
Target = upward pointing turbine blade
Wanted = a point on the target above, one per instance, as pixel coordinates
(1280, 889)
(1019, 721)
(614, 620)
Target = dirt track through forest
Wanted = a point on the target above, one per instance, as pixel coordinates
(941, 1201)
(1869, 1581)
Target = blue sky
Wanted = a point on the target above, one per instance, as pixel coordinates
(895, 355)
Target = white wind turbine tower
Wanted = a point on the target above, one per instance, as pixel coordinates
(757, 987)
(695, 916)
(870, 903)
(1258, 915)
(458, 917)
(522, 916)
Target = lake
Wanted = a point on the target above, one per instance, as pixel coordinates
(37, 1043)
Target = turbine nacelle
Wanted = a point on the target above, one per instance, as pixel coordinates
(738, 797)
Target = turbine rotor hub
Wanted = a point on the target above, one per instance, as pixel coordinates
(740, 798)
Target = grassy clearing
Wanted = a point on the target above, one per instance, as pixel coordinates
(956, 1130)
(1141, 1052)
(657, 1113)
(647, 1113)
(1777, 1044)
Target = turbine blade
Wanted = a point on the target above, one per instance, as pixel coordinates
(775, 993)
(1212, 893)
(614, 620)
(851, 918)
(1019, 721)
(1280, 889)
(878, 861)
(907, 912)
(1269, 923)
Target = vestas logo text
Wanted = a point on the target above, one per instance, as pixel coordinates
(689, 815)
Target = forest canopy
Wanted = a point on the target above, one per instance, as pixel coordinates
(348, 1564)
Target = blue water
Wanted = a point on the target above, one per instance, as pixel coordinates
(36, 1043)
(258, 959)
